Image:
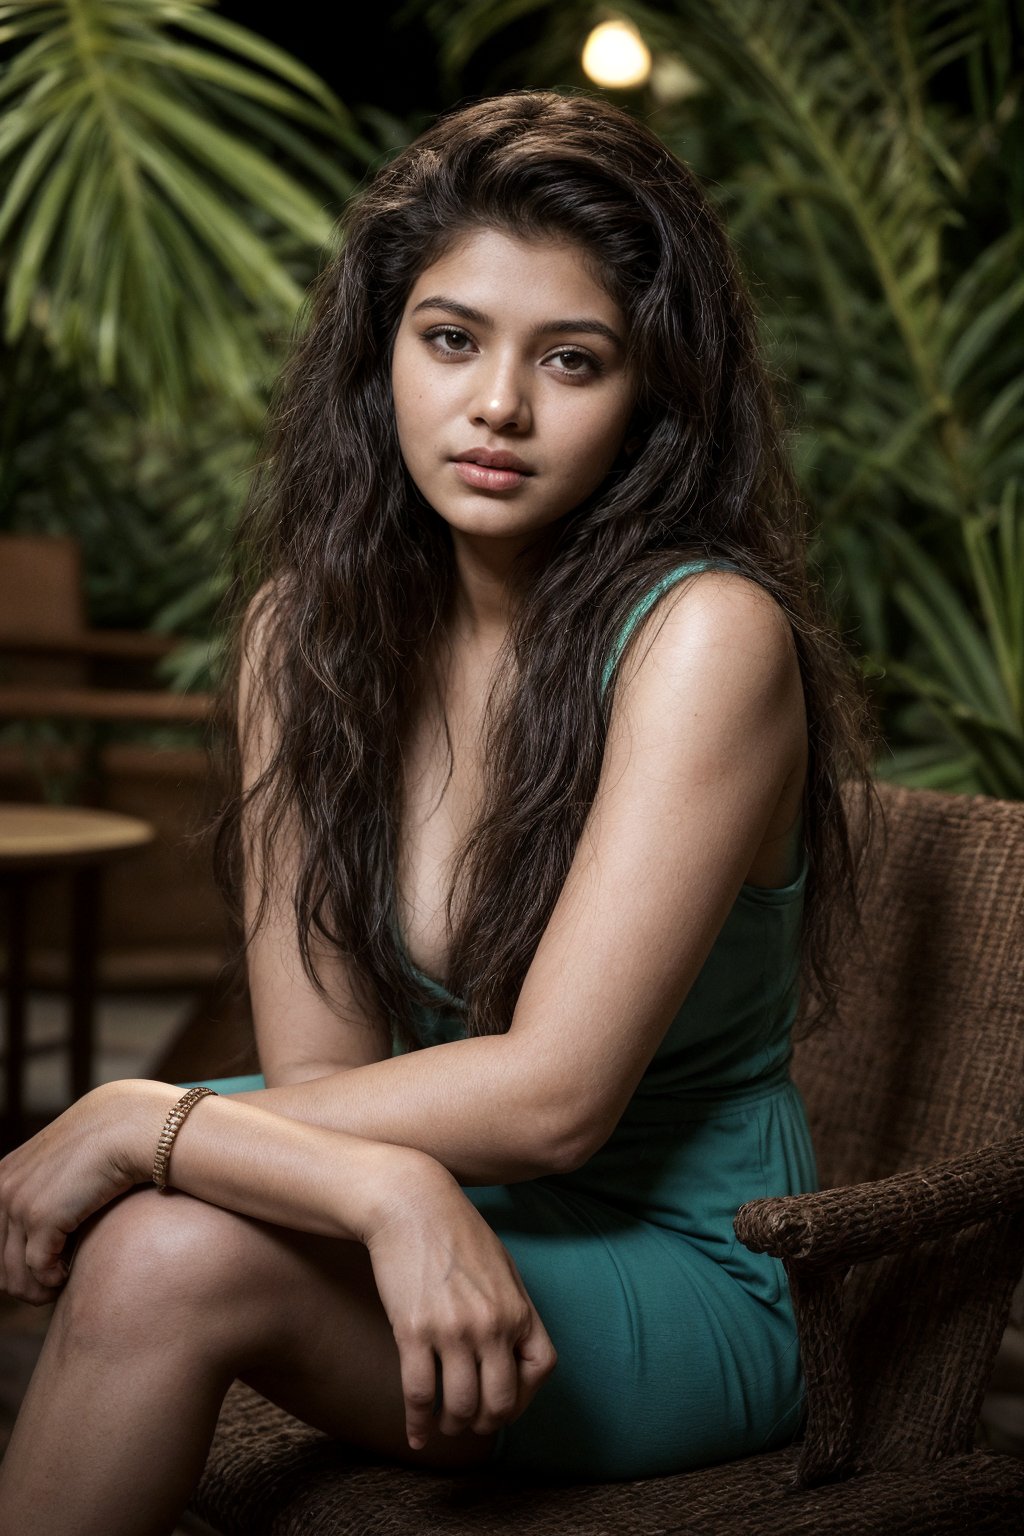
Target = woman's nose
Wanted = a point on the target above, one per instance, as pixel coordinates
(500, 398)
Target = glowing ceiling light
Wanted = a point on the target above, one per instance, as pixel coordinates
(616, 55)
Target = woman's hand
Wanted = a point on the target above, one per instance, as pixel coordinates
(51, 1184)
(450, 1288)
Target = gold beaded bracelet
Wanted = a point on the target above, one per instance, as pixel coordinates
(172, 1125)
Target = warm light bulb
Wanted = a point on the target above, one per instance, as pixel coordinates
(616, 55)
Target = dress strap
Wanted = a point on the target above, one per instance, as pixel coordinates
(646, 603)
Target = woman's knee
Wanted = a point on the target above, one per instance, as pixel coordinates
(150, 1263)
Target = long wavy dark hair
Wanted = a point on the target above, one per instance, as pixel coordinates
(347, 574)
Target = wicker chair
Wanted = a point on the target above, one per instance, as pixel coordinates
(902, 1267)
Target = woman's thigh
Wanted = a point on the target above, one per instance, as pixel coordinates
(665, 1363)
(294, 1315)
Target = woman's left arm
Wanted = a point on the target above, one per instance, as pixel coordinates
(707, 728)
(241, 1157)
(447, 1284)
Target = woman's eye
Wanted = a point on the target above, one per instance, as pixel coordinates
(574, 362)
(581, 363)
(450, 334)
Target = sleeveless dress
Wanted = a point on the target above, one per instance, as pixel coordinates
(677, 1346)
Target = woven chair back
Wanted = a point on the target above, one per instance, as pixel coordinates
(925, 1058)
(925, 1061)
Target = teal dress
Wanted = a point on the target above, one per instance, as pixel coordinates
(676, 1345)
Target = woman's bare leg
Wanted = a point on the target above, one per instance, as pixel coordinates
(169, 1300)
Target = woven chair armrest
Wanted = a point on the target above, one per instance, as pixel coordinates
(857, 1222)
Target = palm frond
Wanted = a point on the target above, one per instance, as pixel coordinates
(971, 672)
(129, 158)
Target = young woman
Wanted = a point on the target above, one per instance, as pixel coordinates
(537, 818)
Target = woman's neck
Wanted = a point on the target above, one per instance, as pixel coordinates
(490, 575)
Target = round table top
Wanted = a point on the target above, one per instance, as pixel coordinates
(37, 836)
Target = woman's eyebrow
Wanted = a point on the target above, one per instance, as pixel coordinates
(546, 328)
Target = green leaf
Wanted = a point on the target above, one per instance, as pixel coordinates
(31, 166)
(242, 252)
(234, 162)
(39, 229)
(978, 335)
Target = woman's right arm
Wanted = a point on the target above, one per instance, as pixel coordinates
(299, 1035)
(448, 1285)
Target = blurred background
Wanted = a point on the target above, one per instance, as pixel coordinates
(170, 177)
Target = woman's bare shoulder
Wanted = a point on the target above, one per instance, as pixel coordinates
(708, 624)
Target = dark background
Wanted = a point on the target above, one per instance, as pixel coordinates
(393, 64)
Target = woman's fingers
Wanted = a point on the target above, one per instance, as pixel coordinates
(537, 1358)
(15, 1274)
(419, 1388)
(44, 1256)
(510, 1367)
(460, 1389)
(30, 1267)
(19, 1281)
(456, 1300)
(499, 1390)
(448, 1388)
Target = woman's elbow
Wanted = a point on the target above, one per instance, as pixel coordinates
(290, 1074)
(575, 1144)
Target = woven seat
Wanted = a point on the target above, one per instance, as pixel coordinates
(902, 1266)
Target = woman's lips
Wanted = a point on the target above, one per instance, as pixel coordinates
(484, 479)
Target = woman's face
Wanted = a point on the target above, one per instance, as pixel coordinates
(509, 346)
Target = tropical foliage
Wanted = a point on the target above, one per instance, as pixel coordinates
(169, 184)
(147, 227)
(869, 160)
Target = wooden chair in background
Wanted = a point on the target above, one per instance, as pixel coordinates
(49, 655)
(60, 678)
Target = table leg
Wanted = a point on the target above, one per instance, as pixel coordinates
(84, 938)
(17, 889)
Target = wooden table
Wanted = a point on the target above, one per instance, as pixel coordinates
(39, 840)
